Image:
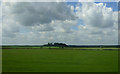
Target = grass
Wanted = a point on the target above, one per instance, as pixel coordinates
(0, 60)
(46, 60)
(56, 47)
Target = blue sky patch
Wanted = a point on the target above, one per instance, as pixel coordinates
(113, 5)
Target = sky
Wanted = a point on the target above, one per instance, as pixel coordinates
(0, 24)
(73, 23)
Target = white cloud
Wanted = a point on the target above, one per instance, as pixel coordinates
(33, 24)
(97, 15)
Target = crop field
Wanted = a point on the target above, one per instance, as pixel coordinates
(48, 60)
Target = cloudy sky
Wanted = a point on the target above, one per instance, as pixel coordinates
(68, 22)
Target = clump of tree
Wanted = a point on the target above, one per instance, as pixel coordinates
(60, 45)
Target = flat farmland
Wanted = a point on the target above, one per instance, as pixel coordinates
(48, 60)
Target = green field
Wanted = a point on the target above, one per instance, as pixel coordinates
(46, 60)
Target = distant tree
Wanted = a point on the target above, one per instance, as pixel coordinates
(60, 45)
(49, 44)
(41, 46)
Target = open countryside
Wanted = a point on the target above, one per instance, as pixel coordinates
(60, 59)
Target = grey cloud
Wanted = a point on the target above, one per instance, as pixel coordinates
(34, 13)
(60, 31)
(42, 28)
(9, 31)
